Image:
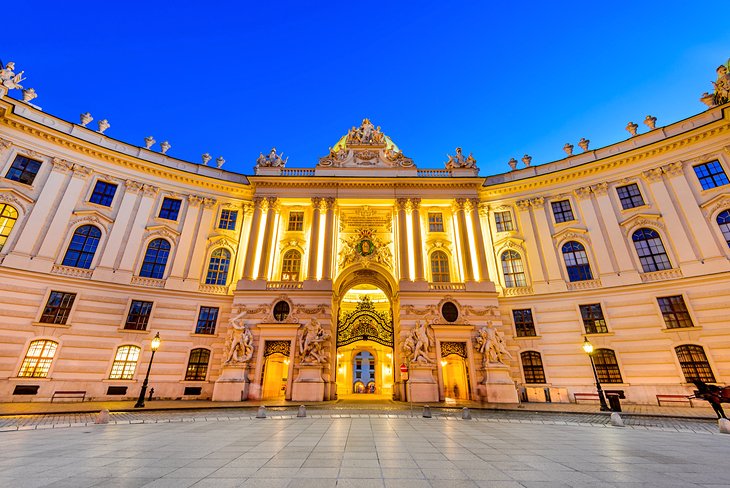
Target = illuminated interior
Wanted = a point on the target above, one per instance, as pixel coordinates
(276, 372)
(455, 378)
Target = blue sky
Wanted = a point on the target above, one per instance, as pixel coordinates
(235, 79)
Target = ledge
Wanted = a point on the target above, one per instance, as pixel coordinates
(681, 329)
(599, 334)
(44, 324)
(195, 334)
(523, 338)
(133, 331)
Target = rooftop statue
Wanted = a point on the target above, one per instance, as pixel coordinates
(272, 160)
(722, 85)
(459, 161)
(9, 79)
(366, 134)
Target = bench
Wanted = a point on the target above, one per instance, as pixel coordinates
(585, 396)
(673, 399)
(69, 394)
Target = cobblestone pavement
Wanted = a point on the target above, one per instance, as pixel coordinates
(359, 452)
(356, 410)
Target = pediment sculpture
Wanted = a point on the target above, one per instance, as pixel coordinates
(271, 160)
(364, 248)
(366, 145)
(459, 161)
(491, 344)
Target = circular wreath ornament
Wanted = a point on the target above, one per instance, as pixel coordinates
(365, 247)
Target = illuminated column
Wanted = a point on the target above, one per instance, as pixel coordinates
(404, 270)
(314, 240)
(417, 239)
(481, 249)
(595, 233)
(260, 206)
(242, 251)
(459, 206)
(182, 253)
(134, 239)
(267, 243)
(328, 238)
(543, 231)
(119, 228)
(197, 261)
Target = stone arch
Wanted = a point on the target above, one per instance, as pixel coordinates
(374, 274)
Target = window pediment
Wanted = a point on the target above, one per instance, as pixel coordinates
(93, 216)
(570, 233)
(641, 220)
(13, 196)
(162, 231)
(720, 202)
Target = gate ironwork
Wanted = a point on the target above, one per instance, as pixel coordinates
(365, 324)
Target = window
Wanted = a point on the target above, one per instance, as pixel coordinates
(576, 262)
(562, 211)
(197, 365)
(296, 221)
(207, 320)
(170, 208)
(723, 221)
(38, 359)
(281, 311)
(440, 267)
(450, 312)
(103, 193)
(139, 315)
(532, 367)
(675, 312)
(291, 265)
(8, 217)
(607, 366)
(228, 219)
(81, 249)
(435, 222)
(125, 362)
(524, 324)
(651, 251)
(630, 196)
(218, 267)
(503, 221)
(711, 175)
(155, 259)
(23, 170)
(58, 307)
(694, 363)
(593, 319)
(514, 271)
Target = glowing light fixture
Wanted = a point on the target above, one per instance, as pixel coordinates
(444, 363)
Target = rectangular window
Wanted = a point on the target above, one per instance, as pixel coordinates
(170, 208)
(207, 320)
(503, 220)
(524, 324)
(675, 312)
(23, 170)
(711, 175)
(630, 196)
(103, 193)
(593, 319)
(228, 219)
(562, 211)
(296, 221)
(139, 315)
(58, 307)
(435, 222)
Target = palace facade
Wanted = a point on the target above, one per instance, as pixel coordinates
(319, 283)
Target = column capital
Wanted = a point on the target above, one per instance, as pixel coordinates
(81, 171)
(4, 143)
(537, 202)
(209, 202)
(61, 165)
(652, 175)
(600, 188)
(484, 209)
(131, 186)
(674, 169)
(316, 202)
(330, 203)
(523, 204)
(194, 200)
(415, 203)
(246, 209)
(583, 192)
(401, 204)
(261, 203)
(458, 204)
(149, 190)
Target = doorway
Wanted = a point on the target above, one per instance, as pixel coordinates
(455, 374)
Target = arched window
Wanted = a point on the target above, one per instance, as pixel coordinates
(723, 220)
(695, 365)
(197, 365)
(532, 367)
(155, 259)
(291, 265)
(607, 366)
(440, 267)
(81, 249)
(513, 269)
(38, 359)
(8, 217)
(576, 261)
(651, 251)
(220, 260)
(125, 362)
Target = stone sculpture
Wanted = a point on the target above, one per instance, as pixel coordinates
(722, 85)
(85, 118)
(459, 161)
(219, 161)
(239, 344)
(29, 94)
(206, 158)
(311, 343)
(149, 141)
(164, 147)
(417, 344)
(103, 125)
(272, 160)
(9, 79)
(492, 346)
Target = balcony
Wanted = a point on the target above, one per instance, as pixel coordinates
(447, 286)
(284, 285)
(72, 271)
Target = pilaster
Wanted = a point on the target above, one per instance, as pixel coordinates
(314, 239)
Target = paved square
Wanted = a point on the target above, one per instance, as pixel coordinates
(361, 452)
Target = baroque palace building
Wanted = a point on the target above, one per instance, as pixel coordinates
(318, 283)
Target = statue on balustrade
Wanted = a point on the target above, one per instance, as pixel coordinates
(272, 160)
(9, 79)
(459, 161)
(722, 85)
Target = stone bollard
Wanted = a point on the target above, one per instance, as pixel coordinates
(465, 414)
(261, 414)
(103, 417)
(426, 412)
(724, 425)
(616, 420)
(302, 411)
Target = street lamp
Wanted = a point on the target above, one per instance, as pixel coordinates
(154, 345)
(588, 348)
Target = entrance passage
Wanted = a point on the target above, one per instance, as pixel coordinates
(455, 377)
(276, 370)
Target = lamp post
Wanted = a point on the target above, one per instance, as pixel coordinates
(154, 345)
(588, 348)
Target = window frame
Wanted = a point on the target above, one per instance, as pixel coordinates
(441, 273)
(125, 320)
(155, 264)
(82, 252)
(217, 273)
(562, 212)
(202, 330)
(648, 246)
(578, 271)
(711, 176)
(517, 329)
(596, 330)
(169, 210)
(532, 368)
(124, 374)
(23, 171)
(630, 198)
(46, 371)
(103, 194)
(295, 224)
(231, 218)
(437, 224)
(197, 366)
(504, 274)
(674, 312)
(603, 370)
(7, 229)
(683, 366)
(293, 274)
(503, 223)
(724, 232)
(68, 309)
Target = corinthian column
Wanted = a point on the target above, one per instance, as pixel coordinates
(459, 206)
(481, 250)
(402, 204)
(268, 237)
(314, 240)
(328, 238)
(260, 205)
(417, 239)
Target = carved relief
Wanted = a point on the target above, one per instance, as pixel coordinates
(652, 175)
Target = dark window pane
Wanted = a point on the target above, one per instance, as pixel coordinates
(103, 193)
(23, 170)
(607, 366)
(650, 250)
(228, 219)
(139, 315)
(532, 367)
(593, 319)
(674, 312)
(524, 323)
(694, 363)
(58, 307)
(207, 320)
(220, 260)
(711, 175)
(197, 365)
(630, 196)
(576, 262)
(562, 211)
(155, 259)
(170, 208)
(81, 249)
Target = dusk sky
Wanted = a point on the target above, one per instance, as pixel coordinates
(499, 79)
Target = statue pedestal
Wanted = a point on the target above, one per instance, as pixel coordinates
(232, 385)
(497, 386)
(421, 386)
(308, 386)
